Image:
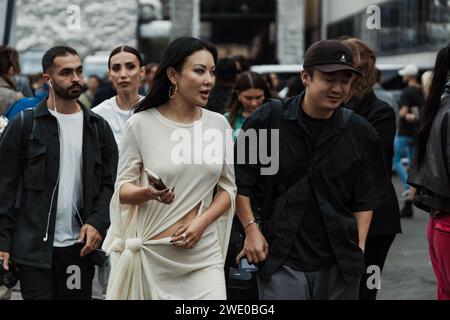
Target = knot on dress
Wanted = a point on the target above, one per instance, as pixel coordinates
(133, 244)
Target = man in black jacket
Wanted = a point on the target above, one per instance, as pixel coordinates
(57, 173)
(331, 177)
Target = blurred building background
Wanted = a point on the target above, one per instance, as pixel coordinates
(265, 31)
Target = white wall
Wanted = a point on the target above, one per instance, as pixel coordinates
(104, 24)
(335, 10)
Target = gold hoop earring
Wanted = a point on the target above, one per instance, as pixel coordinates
(173, 90)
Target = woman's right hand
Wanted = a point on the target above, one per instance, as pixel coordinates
(256, 247)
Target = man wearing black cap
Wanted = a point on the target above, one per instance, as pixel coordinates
(330, 178)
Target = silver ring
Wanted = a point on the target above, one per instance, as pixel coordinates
(159, 198)
(184, 236)
(187, 242)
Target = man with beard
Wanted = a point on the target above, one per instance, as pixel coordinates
(58, 169)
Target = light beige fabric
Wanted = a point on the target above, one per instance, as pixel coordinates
(154, 269)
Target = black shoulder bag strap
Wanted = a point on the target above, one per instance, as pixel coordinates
(27, 132)
(270, 182)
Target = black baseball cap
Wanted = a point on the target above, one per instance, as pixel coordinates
(330, 56)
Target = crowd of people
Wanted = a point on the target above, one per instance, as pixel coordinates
(91, 175)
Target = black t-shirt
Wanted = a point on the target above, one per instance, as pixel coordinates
(311, 250)
(413, 98)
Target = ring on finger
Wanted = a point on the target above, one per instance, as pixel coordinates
(184, 236)
(159, 198)
(187, 242)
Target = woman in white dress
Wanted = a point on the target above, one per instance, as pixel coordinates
(165, 246)
(125, 71)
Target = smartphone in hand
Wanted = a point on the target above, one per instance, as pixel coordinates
(155, 180)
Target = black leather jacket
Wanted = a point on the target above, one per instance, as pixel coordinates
(432, 179)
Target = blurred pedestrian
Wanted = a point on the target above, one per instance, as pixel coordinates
(249, 93)
(149, 78)
(386, 219)
(27, 103)
(426, 78)
(411, 101)
(162, 246)
(385, 95)
(125, 73)
(9, 66)
(430, 172)
(272, 83)
(54, 208)
(295, 87)
(226, 76)
(242, 63)
(104, 92)
(329, 180)
(87, 97)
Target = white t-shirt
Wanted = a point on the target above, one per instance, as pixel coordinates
(116, 117)
(70, 189)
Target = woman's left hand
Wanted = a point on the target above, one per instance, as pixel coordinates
(187, 236)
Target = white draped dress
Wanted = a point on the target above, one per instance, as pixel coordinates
(193, 158)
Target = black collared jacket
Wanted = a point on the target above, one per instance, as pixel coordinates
(431, 179)
(34, 158)
(351, 177)
(386, 219)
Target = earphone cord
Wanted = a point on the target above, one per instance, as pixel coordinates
(57, 181)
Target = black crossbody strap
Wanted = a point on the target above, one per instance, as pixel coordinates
(26, 134)
(270, 182)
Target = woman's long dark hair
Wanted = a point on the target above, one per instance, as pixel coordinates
(247, 80)
(441, 72)
(174, 56)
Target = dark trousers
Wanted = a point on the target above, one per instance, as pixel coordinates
(289, 284)
(376, 251)
(70, 277)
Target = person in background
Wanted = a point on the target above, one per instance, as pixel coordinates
(426, 78)
(87, 97)
(104, 92)
(37, 82)
(272, 83)
(295, 87)
(386, 219)
(9, 67)
(250, 92)
(23, 85)
(242, 63)
(226, 75)
(411, 101)
(125, 73)
(385, 95)
(429, 174)
(147, 82)
(27, 103)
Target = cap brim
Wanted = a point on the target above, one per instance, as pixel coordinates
(337, 67)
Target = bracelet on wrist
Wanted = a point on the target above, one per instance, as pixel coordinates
(249, 223)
